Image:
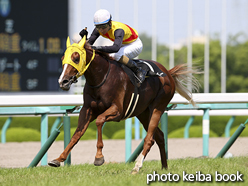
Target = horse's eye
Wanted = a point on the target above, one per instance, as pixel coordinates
(76, 60)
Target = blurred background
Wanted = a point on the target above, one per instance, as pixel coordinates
(208, 33)
(212, 34)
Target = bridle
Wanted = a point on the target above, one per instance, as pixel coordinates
(74, 79)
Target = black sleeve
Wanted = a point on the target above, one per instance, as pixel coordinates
(94, 35)
(119, 34)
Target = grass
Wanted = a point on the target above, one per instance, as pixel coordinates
(118, 174)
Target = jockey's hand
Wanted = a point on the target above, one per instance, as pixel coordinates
(83, 33)
(96, 47)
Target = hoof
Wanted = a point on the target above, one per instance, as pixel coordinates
(99, 161)
(54, 163)
(135, 171)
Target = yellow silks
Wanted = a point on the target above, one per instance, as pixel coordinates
(79, 48)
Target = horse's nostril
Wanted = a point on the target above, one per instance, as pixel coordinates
(65, 81)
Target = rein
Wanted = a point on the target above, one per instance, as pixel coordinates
(74, 78)
(82, 72)
(103, 81)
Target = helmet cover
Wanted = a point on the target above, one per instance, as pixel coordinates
(102, 16)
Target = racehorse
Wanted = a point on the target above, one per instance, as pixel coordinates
(108, 92)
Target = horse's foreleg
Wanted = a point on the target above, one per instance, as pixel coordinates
(99, 159)
(109, 114)
(85, 117)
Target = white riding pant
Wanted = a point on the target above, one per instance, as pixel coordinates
(130, 50)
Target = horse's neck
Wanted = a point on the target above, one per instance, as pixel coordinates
(97, 70)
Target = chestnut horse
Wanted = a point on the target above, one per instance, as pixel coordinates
(107, 94)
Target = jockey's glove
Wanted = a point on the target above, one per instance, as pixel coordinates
(83, 33)
(96, 47)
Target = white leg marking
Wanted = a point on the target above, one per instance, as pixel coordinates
(138, 164)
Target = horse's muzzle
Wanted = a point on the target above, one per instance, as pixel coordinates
(65, 84)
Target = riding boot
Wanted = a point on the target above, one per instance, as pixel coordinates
(137, 70)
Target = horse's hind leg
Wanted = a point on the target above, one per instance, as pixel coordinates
(153, 132)
(150, 127)
(159, 138)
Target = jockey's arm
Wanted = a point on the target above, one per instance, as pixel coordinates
(119, 34)
(94, 35)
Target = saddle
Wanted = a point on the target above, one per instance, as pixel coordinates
(150, 68)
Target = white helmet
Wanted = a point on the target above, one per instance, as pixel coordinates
(102, 16)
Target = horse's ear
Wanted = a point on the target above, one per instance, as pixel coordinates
(82, 42)
(68, 43)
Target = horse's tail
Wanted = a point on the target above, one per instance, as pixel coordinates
(182, 75)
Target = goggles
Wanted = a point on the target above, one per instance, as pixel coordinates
(103, 26)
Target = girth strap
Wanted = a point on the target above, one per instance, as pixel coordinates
(133, 102)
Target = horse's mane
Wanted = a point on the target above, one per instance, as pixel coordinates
(103, 54)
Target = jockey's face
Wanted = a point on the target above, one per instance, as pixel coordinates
(103, 28)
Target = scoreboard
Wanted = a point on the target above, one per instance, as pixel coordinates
(32, 41)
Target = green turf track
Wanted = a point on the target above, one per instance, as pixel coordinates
(118, 174)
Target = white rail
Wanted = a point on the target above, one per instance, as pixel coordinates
(69, 100)
(40, 100)
(202, 98)
(226, 112)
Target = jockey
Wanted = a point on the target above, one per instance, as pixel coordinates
(126, 46)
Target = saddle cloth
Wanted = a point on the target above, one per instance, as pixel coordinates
(150, 68)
